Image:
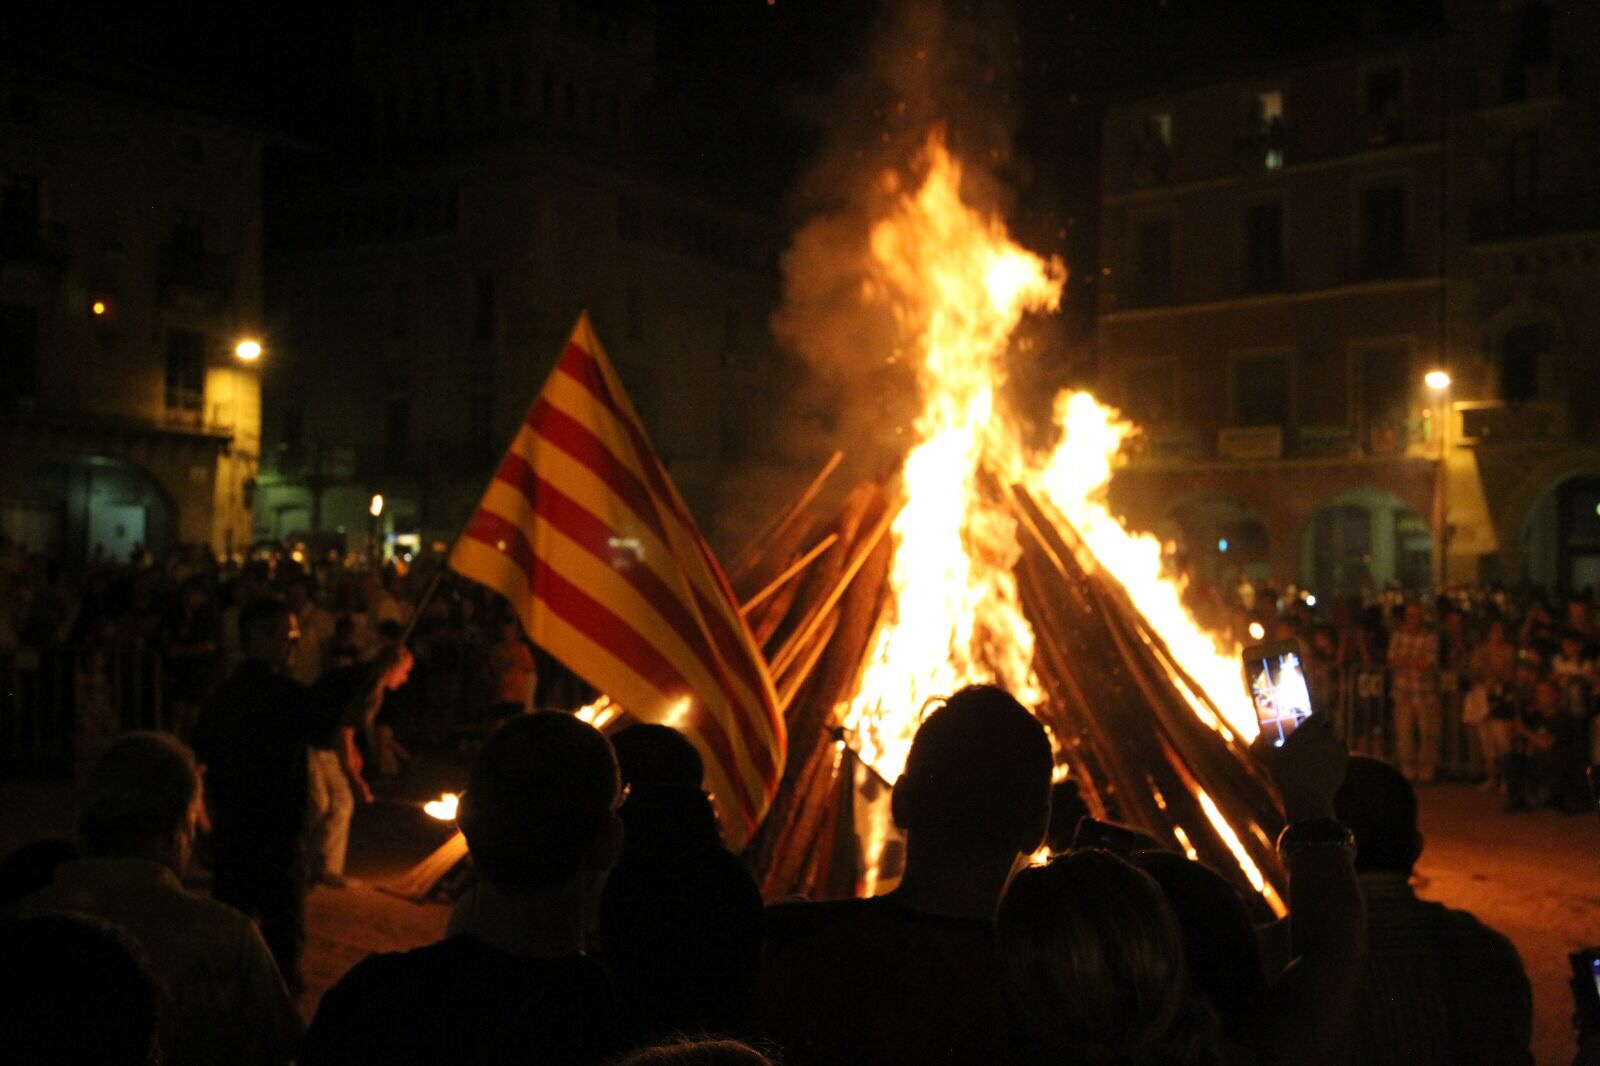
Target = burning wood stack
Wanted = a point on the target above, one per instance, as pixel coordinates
(1122, 712)
(983, 559)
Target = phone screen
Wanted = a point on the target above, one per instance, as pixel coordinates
(1594, 971)
(1278, 687)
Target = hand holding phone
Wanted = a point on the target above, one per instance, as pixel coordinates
(1276, 682)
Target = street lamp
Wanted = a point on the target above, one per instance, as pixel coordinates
(1438, 382)
(374, 509)
(248, 349)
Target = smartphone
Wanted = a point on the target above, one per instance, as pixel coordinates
(1586, 988)
(1121, 840)
(1276, 681)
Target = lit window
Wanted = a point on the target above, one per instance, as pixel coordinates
(1268, 131)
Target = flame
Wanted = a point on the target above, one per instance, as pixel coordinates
(601, 713)
(1075, 478)
(958, 286)
(443, 808)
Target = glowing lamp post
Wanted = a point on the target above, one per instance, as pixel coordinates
(1438, 383)
(375, 509)
(248, 350)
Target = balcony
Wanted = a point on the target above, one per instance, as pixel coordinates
(42, 247)
(1540, 216)
(1497, 421)
(1250, 442)
(194, 270)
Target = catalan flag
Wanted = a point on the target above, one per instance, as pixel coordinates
(583, 532)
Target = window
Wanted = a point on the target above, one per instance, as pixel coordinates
(483, 318)
(292, 439)
(1153, 267)
(1150, 392)
(1266, 132)
(19, 353)
(1383, 231)
(396, 430)
(1522, 351)
(634, 313)
(1263, 247)
(400, 310)
(191, 152)
(188, 232)
(1155, 148)
(730, 337)
(1261, 390)
(480, 427)
(19, 207)
(1522, 169)
(186, 370)
(1384, 375)
(1385, 106)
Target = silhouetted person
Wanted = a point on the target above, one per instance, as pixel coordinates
(252, 737)
(680, 917)
(910, 976)
(1092, 968)
(666, 806)
(76, 993)
(226, 999)
(514, 985)
(1067, 809)
(30, 868)
(1440, 987)
(1219, 937)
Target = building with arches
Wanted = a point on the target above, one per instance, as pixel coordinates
(130, 271)
(1287, 254)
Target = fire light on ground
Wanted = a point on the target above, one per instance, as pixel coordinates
(443, 808)
(959, 286)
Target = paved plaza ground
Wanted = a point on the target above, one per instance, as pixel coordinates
(1535, 877)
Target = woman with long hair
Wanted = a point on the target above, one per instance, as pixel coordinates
(1092, 969)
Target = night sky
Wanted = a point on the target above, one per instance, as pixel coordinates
(741, 105)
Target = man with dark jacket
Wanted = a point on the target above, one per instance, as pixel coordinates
(251, 738)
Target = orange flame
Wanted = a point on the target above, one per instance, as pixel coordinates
(958, 287)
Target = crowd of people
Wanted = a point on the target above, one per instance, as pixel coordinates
(607, 923)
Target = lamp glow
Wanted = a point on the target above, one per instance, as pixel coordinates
(98, 307)
(1257, 631)
(1437, 380)
(376, 508)
(248, 350)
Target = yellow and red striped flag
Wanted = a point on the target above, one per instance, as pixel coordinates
(584, 533)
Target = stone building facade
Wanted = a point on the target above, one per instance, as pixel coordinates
(130, 271)
(425, 277)
(1286, 256)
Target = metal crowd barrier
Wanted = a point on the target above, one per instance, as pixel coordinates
(56, 702)
(1364, 716)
